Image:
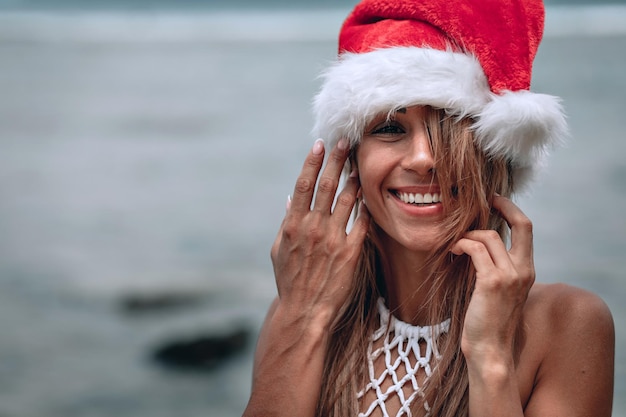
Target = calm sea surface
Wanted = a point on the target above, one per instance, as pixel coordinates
(149, 153)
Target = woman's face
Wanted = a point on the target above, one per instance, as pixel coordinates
(399, 182)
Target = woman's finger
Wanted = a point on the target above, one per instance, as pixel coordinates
(305, 184)
(494, 244)
(520, 225)
(329, 180)
(477, 251)
(346, 200)
(361, 226)
(279, 235)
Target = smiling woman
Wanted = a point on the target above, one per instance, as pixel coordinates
(427, 305)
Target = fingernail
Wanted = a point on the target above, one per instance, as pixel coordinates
(342, 144)
(318, 147)
(288, 204)
(354, 173)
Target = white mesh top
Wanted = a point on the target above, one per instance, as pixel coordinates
(406, 349)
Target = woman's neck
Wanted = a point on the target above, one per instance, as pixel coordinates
(407, 280)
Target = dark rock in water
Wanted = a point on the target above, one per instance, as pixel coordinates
(202, 353)
(155, 303)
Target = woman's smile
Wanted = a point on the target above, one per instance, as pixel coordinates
(417, 198)
(418, 202)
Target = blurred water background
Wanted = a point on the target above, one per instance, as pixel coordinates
(147, 149)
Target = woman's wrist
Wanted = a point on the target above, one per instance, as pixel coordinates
(493, 385)
(491, 372)
(490, 363)
(313, 323)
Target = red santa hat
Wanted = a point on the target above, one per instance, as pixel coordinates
(472, 58)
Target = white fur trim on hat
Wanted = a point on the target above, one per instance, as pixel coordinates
(520, 126)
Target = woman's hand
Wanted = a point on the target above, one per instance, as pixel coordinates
(314, 262)
(314, 258)
(503, 281)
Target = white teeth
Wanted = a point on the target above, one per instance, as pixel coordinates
(417, 198)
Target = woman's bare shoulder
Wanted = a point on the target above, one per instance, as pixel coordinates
(558, 317)
(570, 339)
(564, 307)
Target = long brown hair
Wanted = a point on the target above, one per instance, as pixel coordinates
(468, 179)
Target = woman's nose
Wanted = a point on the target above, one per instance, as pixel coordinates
(419, 156)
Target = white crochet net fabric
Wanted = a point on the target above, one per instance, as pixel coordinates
(405, 349)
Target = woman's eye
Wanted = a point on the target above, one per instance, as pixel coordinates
(390, 128)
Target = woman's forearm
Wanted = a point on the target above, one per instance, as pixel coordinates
(289, 365)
